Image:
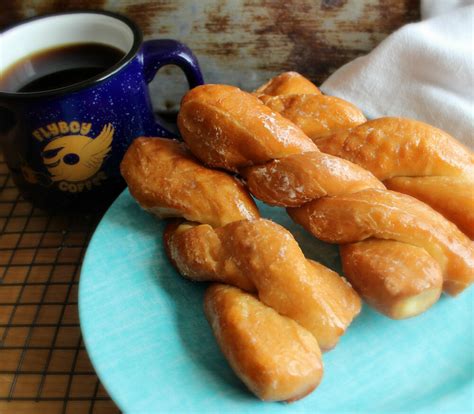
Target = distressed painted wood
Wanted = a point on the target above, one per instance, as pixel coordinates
(244, 42)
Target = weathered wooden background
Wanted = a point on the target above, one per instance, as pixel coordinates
(244, 42)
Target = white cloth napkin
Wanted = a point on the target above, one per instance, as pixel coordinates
(423, 71)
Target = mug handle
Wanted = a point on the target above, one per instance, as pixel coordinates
(160, 52)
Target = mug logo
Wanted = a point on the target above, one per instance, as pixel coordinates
(72, 158)
(76, 158)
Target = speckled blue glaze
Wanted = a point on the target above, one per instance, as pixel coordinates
(119, 98)
(122, 100)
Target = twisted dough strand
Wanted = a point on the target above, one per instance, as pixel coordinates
(413, 158)
(286, 83)
(273, 355)
(228, 128)
(167, 181)
(358, 216)
(316, 115)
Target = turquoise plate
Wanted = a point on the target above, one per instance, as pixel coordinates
(145, 331)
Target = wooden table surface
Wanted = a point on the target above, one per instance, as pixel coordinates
(44, 366)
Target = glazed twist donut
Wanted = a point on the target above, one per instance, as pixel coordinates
(228, 128)
(234, 246)
(262, 257)
(409, 156)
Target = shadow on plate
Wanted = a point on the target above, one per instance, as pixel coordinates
(194, 330)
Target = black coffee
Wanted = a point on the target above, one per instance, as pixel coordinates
(59, 67)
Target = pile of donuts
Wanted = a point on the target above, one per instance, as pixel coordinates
(395, 194)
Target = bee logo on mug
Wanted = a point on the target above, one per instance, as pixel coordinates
(73, 161)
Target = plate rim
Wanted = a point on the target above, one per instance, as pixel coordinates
(117, 398)
(87, 255)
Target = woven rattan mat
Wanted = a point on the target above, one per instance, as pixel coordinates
(44, 367)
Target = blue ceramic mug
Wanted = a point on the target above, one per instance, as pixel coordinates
(64, 145)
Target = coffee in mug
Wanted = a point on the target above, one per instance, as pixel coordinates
(73, 96)
(59, 67)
